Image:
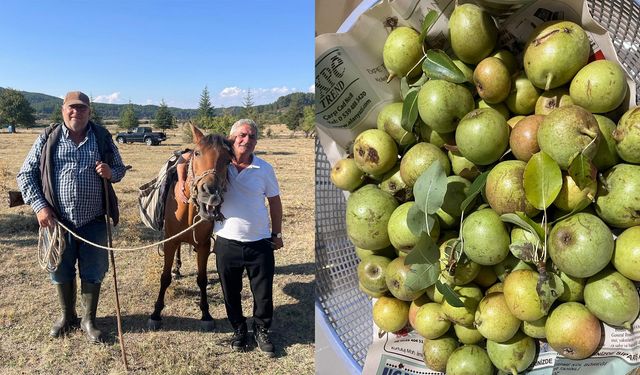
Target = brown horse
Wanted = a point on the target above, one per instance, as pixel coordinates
(206, 182)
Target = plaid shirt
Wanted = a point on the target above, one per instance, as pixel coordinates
(76, 184)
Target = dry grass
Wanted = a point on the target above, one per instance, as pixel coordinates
(28, 304)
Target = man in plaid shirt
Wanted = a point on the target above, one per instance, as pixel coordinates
(61, 179)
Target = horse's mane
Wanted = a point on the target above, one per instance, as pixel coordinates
(217, 140)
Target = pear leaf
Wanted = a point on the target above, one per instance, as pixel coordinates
(438, 65)
(422, 276)
(525, 223)
(409, 110)
(542, 180)
(582, 171)
(430, 188)
(549, 288)
(429, 20)
(449, 294)
(474, 189)
(416, 220)
(424, 252)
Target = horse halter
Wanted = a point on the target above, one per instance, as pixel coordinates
(194, 180)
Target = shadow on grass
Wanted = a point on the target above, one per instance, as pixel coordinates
(15, 224)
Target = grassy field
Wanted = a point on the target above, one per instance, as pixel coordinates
(28, 303)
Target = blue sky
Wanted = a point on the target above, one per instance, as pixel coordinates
(145, 51)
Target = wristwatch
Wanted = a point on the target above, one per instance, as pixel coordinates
(276, 235)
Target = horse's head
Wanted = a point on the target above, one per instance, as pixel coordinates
(208, 173)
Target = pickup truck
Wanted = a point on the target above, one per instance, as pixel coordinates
(141, 134)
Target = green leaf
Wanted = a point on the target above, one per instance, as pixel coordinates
(549, 288)
(438, 65)
(476, 187)
(404, 86)
(449, 294)
(429, 20)
(424, 252)
(430, 188)
(416, 220)
(582, 171)
(524, 223)
(542, 180)
(422, 276)
(409, 110)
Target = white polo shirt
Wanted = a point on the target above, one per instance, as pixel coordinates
(244, 206)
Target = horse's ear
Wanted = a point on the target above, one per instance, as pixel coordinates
(197, 134)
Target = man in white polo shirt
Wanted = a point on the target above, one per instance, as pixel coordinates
(247, 237)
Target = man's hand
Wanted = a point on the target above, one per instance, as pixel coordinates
(103, 170)
(178, 191)
(277, 243)
(46, 217)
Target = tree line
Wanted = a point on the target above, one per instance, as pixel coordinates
(296, 110)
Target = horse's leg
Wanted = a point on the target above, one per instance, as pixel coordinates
(206, 321)
(155, 321)
(178, 264)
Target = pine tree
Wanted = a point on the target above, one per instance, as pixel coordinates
(15, 109)
(95, 115)
(205, 109)
(164, 117)
(249, 110)
(128, 119)
(56, 115)
(293, 115)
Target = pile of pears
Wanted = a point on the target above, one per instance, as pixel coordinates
(550, 247)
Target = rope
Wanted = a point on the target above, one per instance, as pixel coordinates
(52, 249)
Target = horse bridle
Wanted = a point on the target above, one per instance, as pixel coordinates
(193, 185)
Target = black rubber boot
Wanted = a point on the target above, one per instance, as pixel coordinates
(90, 296)
(69, 319)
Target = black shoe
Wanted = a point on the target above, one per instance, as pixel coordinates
(239, 339)
(261, 335)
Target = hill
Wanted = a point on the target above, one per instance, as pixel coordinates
(45, 104)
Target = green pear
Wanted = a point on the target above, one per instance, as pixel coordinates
(367, 215)
(402, 52)
(486, 240)
(400, 235)
(573, 331)
(482, 136)
(441, 104)
(571, 197)
(521, 295)
(371, 273)
(599, 87)
(469, 359)
(500, 107)
(607, 154)
(573, 288)
(472, 32)
(396, 278)
(618, 200)
(346, 175)
(508, 59)
(467, 335)
(568, 131)
(554, 53)
(486, 277)
(504, 188)
(430, 321)
(470, 295)
(514, 120)
(580, 245)
(514, 355)
(552, 99)
(390, 314)
(492, 80)
(627, 136)
(389, 120)
(612, 298)
(626, 254)
(388, 252)
(494, 320)
(392, 183)
(535, 328)
(523, 96)
(462, 167)
(375, 151)
(415, 306)
(437, 352)
(464, 271)
(419, 158)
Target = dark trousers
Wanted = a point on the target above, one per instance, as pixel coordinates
(232, 258)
